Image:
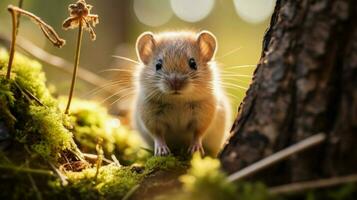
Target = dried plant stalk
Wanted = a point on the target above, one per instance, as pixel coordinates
(81, 17)
(13, 42)
(100, 156)
(48, 31)
(76, 64)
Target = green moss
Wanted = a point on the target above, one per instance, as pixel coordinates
(36, 123)
(253, 191)
(29, 110)
(164, 163)
(204, 180)
(90, 121)
(114, 182)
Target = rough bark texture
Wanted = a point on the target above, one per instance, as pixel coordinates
(305, 83)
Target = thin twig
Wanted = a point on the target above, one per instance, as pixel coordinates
(76, 63)
(116, 161)
(62, 177)
(95, 157)
(314, 184)
(278, 156)
(27, 170)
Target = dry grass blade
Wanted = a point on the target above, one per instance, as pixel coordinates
(314, 184)
(278, 156)
(28, 95)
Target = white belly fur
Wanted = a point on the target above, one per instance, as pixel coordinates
(178, 119)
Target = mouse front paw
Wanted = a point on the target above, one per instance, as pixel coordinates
(161, 149)
(196, 147)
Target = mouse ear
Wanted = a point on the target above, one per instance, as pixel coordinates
(207, 44)
(145, 46)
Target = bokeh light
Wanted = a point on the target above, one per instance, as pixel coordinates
(153, 12)
(254, 11)
(192, 11)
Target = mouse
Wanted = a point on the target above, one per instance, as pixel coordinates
(180, 103)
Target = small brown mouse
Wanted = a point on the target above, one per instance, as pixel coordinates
(180, 102)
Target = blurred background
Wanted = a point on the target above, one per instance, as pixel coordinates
(239, 26)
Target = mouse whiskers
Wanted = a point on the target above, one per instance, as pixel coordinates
(123, 92)
(121, 98)
(127, 70)
(232, 85)
(107, 85)
(127, 59)
(238, 66)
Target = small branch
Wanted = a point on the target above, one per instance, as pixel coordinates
(76, 64)
(278, 156)
(315, 184)
(27, 170)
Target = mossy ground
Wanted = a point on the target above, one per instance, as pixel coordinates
(91, 121)
(34, 134)
(29, 111)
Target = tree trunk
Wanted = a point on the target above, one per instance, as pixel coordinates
(305, 83)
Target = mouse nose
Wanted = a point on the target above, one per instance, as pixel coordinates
(176, 83)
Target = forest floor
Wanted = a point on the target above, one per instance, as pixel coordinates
(89, 154)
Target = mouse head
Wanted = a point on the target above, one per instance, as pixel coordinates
(177, 63)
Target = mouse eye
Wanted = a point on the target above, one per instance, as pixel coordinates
(158, 65)
(192, 64)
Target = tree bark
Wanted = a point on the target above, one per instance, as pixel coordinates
(305, 83)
